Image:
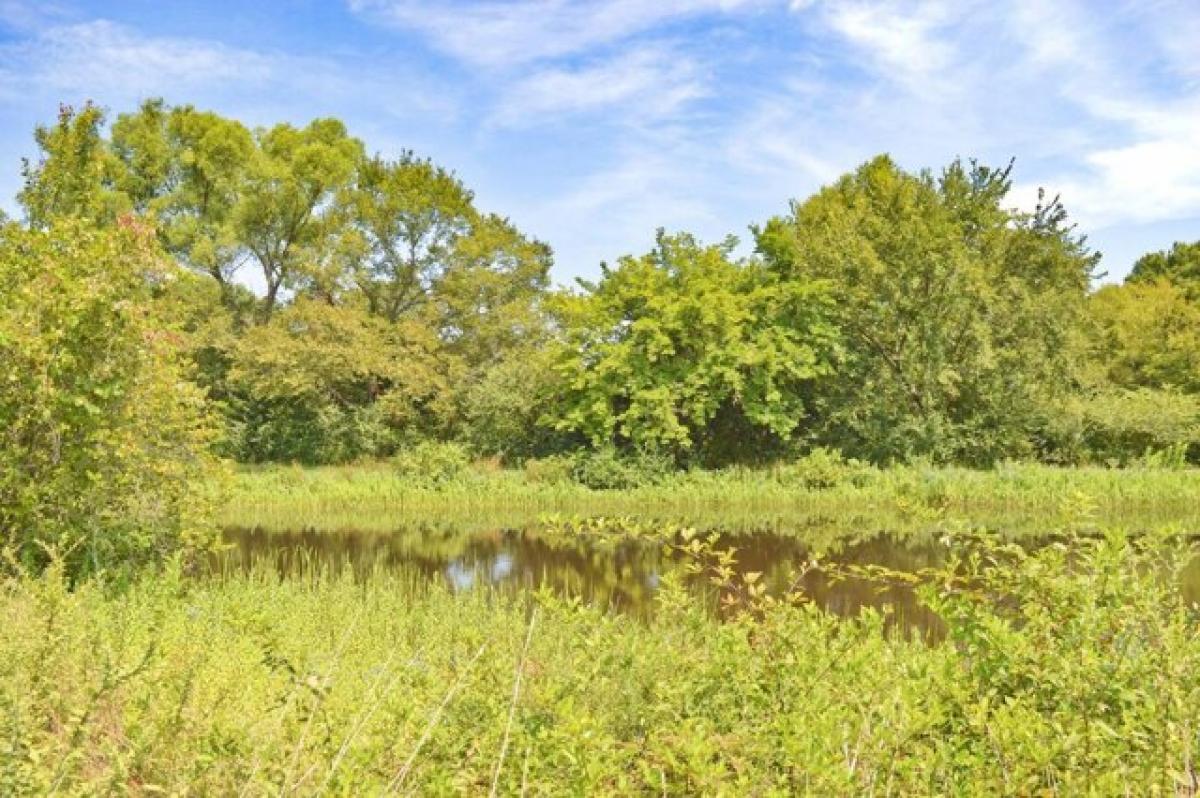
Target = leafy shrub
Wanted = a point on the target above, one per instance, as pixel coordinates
(1128, 427)
(824, 468)
(102, 440)
(609, 469)
(432, 463)
(553, 470)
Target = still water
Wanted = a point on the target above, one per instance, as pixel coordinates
(620, 575)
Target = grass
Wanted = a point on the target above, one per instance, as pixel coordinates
(1072, 670)
(377, 497)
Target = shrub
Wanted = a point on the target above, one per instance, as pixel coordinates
(1127, 427)
(432, 463)
(609, 469)
(552, 470)
(102, 440)
(824, 468)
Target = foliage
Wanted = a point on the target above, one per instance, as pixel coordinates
(320, 383)
(432, 464)
(607, 468)
(961, 319)
(1121, 427)
(1071, 670)
(505, 408)
(186, 168)
(1149, 335)
(665, 346)
(101, 436)
(75, 174)
(822, 469)
(891, 316)
(1179, 265)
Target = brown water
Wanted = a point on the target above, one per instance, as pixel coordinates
(620, 575)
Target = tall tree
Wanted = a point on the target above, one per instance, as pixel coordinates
(287, 210)
(76, 174)
(1149, 335)
(1180, 264)
(187, 169)
(665, 345)
(410, 212)
(961, 319)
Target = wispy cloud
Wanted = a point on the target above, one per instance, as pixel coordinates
(116, 64)
(493, 33)
(101, 57)
(649, 82)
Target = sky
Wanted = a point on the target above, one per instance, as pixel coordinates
(592, 123)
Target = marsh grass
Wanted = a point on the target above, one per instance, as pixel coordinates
(1070, 669)
(378, 497)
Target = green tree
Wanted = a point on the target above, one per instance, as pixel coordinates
(187, 169)
(668, 344)
(962, 320)
(287, 212)
(410, 213)
(1180, 264)
(490, 299)
(1149, 335)
(102, 440)
(319, 383)
(76, 174)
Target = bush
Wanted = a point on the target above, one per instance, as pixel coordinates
(552, 470)
(432, 463)
(102, 440)
(609, 469)
(822, 469)
(1128, 427)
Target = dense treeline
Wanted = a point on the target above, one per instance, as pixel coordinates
(890, 316)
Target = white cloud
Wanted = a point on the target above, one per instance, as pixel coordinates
(118, 65)
(905, 41)
(101, 57)
(650, 82)
(507, 33)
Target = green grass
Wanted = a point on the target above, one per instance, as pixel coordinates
(376, 497)
(1073, 670)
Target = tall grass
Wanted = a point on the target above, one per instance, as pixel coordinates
(1072, 669)
(378, 497)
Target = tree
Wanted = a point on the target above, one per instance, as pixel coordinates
(1180, 264)
(319, 384)
(410, 213)
(102, 440)
(1149, 335)
(187, 169)
(287, 209)
(665, 345)
(961, 319)
(76, 174)
(489, 299)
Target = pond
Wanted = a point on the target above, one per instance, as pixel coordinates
(620, 575)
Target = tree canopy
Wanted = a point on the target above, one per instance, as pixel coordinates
(892, 315)
(960, 318)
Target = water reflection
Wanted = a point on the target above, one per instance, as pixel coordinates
(619, 575)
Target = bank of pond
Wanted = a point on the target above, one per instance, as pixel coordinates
(920, 634)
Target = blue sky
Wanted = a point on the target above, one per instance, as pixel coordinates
(590, 124)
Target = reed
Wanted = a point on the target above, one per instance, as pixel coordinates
(376, 497)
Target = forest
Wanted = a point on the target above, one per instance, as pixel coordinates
(211, 334)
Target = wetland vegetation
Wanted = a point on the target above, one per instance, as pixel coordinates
(901, 502)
